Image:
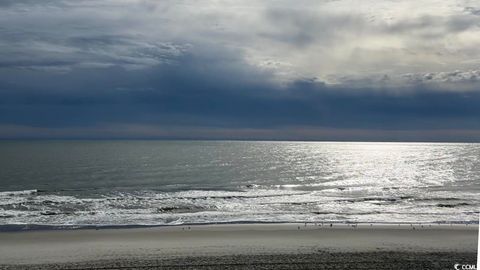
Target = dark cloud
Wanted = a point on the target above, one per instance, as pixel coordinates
(473, 10)
(211, 88)
(8, 3)
(434, 24)
(30, 51)
(160, 69)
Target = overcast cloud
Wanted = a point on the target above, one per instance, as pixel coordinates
(346, 69)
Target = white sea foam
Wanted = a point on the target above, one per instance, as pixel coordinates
(213, 206)
(211, 182)
(17, 193)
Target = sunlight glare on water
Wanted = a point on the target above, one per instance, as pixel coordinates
(174, 182)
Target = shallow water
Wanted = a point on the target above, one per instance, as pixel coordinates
(78, 183)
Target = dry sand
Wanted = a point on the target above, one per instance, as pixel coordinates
(260, 246)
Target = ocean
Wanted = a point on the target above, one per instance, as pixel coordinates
(74, 184)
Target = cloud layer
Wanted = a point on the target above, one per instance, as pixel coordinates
(386, 70)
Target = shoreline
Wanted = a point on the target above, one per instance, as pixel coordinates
(105, 246)
(47, 227)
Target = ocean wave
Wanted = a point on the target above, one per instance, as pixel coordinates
(452, 205)
(18, 193)
(254, 204)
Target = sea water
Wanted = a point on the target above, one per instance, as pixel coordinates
(70, 184)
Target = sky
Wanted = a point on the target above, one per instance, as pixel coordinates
(375, 70)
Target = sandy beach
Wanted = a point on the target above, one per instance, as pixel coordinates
(262, 246)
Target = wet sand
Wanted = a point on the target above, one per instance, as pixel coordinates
(252, 246)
